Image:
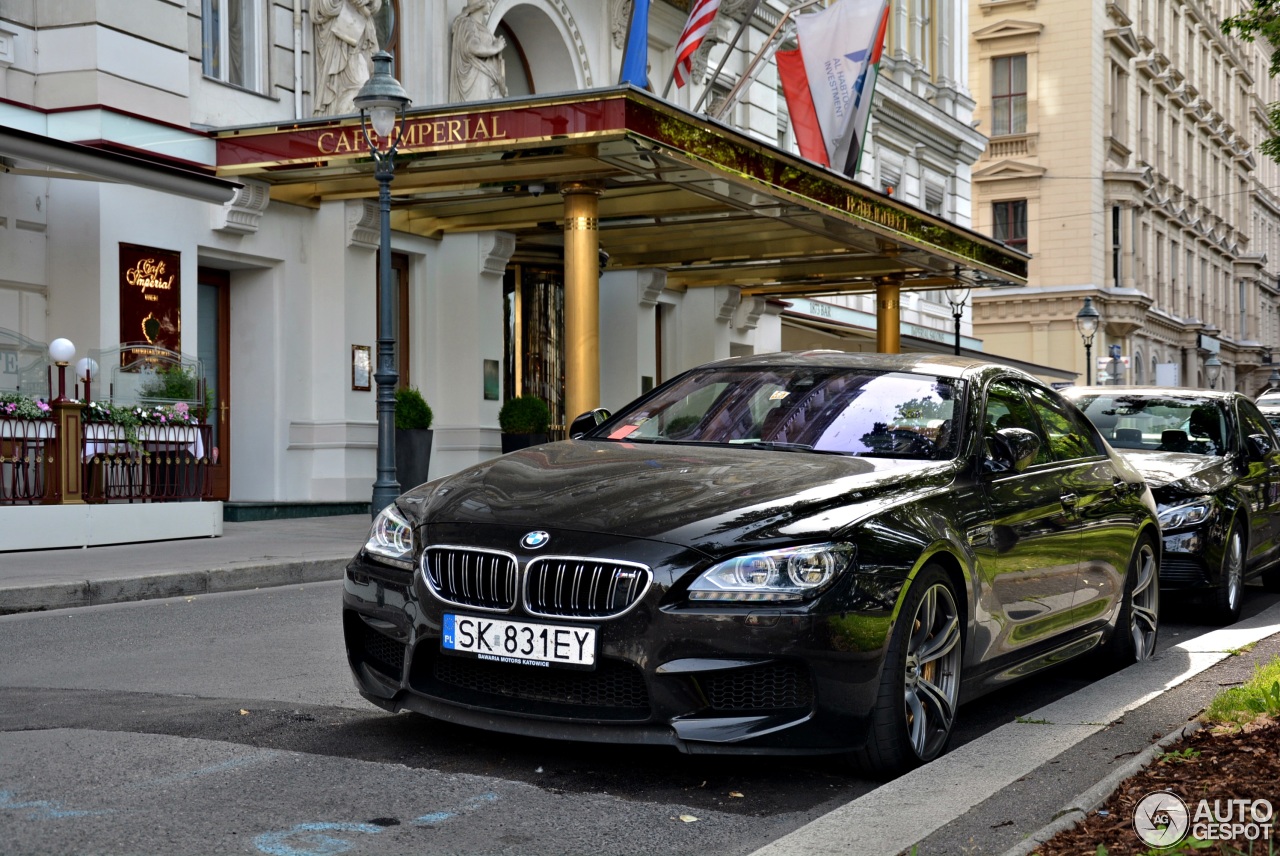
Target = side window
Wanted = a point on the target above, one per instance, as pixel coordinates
(1007, 407)
(1070, 434)
(1253, 422)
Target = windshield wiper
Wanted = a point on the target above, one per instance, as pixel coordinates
(775, 444)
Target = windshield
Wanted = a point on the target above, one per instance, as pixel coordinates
(1159, 423)
(845, 411)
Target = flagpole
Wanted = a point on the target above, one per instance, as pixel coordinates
(742, 28)
(751, 71)
(670, 80)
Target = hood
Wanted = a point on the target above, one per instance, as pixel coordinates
(1194, 474)
(703, 497)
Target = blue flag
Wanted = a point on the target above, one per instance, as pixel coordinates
(635, 61)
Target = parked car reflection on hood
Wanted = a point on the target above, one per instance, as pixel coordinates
(799, 552)
(1213, 464)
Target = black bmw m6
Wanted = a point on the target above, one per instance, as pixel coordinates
(812, 552)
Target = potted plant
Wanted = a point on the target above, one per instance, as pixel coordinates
(413, 437)
(524, 421)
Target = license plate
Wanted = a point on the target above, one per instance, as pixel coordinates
(523, 642)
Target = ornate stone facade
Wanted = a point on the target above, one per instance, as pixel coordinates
(1122, 154)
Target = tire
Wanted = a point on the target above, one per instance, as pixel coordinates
(915, 709)
(1138, 624)
(1225, 600)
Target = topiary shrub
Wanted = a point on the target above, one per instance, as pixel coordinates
(411, 409)
(174, 383)
(526, 414)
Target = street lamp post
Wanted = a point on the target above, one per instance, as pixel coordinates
(957, 297)
(381, 100)
(1087, 323)
(1213, 370)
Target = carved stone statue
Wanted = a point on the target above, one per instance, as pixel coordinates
(619, 18)
(477, 71)
(346, 37)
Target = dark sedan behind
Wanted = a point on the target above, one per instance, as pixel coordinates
(1213, 463)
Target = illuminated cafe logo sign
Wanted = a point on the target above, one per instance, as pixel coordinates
(420, 133)
(150, 273)
(150, 299)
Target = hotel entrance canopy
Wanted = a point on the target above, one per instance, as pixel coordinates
(698, 199)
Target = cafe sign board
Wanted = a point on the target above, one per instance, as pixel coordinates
(150, 300)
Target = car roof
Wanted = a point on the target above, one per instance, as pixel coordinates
(1179, 392)
(940, 365)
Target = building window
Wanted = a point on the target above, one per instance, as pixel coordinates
(1119, 104)
(235, 42)
(934, 199)
(1009, 95)
(1010, 220)
(1116, 247)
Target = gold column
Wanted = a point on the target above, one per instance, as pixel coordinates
(581, 297)
(888, 316)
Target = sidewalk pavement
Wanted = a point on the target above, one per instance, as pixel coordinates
(246, 556)
(999, 793)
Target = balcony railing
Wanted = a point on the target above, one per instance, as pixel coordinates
(159, 463)
(27, 449)
(164, 463)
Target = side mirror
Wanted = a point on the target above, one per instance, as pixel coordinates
(586, 421)
(1013, 450)
(1259, 446)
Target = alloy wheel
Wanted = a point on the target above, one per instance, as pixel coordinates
(1233, 573)
(1144, 605)
(932, 672)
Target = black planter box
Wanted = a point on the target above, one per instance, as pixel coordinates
(413, 455)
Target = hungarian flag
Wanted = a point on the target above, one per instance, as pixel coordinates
(695, 30)
(829, 79)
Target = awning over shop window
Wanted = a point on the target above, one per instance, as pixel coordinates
(35, 154)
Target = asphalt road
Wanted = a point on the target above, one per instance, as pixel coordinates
(228, 723)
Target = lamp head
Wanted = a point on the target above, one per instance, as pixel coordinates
(957, 297)
(1087, 320)
(382, 97)
(87, 368)
(1213, 370)
(61, 351)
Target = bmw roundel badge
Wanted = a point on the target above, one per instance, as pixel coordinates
(534, 540)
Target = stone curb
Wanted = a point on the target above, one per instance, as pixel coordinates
(1079, 808)
(14, 599)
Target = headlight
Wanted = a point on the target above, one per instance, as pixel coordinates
(776, 576)
(391, 539)
(1186, 514)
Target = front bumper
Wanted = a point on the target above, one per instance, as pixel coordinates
(726, 680)
(1192, 559)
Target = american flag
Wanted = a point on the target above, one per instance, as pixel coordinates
(704, 12)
